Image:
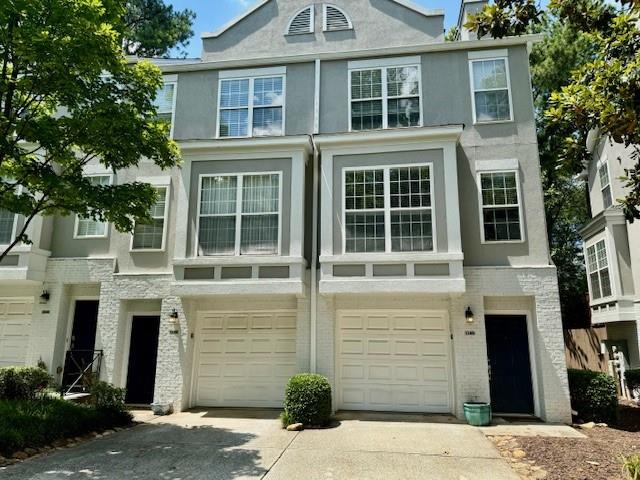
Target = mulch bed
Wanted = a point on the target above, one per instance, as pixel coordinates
(596, 457)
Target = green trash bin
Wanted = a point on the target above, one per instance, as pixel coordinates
(477, 414)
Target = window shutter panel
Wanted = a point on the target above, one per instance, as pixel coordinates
(302, 22)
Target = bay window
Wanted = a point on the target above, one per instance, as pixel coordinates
(239, 214)
(388, 209)
(598, 269)
(605, 185)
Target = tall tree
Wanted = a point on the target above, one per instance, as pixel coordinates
(604, 93)
(154, 29)
(68, 97)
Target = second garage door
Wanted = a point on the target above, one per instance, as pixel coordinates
(396, 360)
(244, 359)
(15, 323)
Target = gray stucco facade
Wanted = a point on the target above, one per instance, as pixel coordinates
(245, 319)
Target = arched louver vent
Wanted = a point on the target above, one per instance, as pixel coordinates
(335, 19)
(302, 22)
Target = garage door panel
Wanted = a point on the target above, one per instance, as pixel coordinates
(405, 368)
(247, 361)
(15, 326)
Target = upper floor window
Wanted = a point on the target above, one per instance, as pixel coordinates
(605, 185)
(7, 226)
(598, 268)
(152, 236)
(384, 96)
(252, 106)
(335, 19)
(165, 102)
(239, 214)
(491, 90)
(88, 227)
(302, 22)
(388, 209)
(501, 212)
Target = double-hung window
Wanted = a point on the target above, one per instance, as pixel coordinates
(152, 236)
(240, 214)
(252, 106)
(384, 96)
(388, 209)
(598, 267)
(7, 226)
(501, 210)
(605, 185)
(88, 227)
(165, 102)
(491, 90)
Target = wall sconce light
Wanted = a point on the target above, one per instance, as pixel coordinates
(44, 296)
(174, 324)
(468, 314)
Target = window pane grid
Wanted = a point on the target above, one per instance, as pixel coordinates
(500, 207)
(150, 237)
(491, 90)
(598, 268)
(7, 219)
(87, 227)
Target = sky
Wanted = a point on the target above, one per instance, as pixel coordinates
(212, 14)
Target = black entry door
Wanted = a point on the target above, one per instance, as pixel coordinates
(82, 342)
(509, 364)
(143, 354)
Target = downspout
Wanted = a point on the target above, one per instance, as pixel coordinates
(313, 364)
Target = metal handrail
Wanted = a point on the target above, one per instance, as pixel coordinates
(93, 366)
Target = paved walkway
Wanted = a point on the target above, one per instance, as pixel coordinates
(228, 444)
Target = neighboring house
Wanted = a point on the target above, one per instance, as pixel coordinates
(358, 198)
(612, 251)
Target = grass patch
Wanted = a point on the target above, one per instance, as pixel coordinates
(39, 422)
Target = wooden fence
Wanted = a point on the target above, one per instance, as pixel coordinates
(582, 349)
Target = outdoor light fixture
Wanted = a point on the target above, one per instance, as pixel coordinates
(174, 324)
(468, 314)
(44, 296)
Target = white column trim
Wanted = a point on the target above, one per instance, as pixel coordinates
(182, 211)
(454, 239)
(326, 213)
(296, 220)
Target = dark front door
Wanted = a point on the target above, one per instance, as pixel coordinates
(509, 364)
(82, 342)
(143, 353)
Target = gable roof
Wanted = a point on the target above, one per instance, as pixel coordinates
(405, 3)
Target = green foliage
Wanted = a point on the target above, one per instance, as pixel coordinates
(285, 419)
(593, 395)
(631, 467)
(307, 400)
(68, 97)
(35, 423)
(105, 395)
(451, 34)
(154, 28)
(23, 383)
(632, 378)
(603, 93)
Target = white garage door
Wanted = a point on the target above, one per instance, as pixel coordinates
(15, 323)
(244, 359)
(396, 360)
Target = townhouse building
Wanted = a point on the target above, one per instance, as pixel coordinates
(612, 251)
(358, 198)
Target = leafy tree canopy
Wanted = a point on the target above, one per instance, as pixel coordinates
(603, 93)
(153, 28)
(68, 97)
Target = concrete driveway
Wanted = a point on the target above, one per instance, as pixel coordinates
(227, 444)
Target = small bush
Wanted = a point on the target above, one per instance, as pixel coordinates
(105, 395)
(307, 400)
(593, 395)
(633, 379)
(23, 383)
(631, 467)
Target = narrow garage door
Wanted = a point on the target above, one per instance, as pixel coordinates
(244, 359)
(15, 323)
(396, 360)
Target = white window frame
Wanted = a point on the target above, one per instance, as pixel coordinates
(238, 213)
(252, 76)
(172, 80)
(165, 217)
(359, 66)
(612, 284)
(14, 231)
(387, 207)
(604, 164)
(479, 59)
(312, 21)
(479, 174)
(106, 224)
(324, 18)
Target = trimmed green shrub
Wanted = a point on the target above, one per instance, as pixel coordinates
(593, 395)
(105, 395)
(307, 400)
(23, 383)
(633, 379)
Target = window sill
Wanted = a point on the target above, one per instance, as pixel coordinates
(503, 242)
(494, 122)
(147, 250)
